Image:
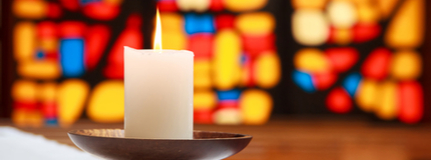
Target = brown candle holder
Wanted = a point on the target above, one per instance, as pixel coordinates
(111, 144)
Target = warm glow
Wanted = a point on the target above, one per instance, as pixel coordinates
(157, 41)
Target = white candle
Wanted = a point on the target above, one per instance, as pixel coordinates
(158, 93)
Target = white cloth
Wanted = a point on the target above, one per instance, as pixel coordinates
(19, 145)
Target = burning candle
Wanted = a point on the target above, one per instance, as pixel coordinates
(158, 91)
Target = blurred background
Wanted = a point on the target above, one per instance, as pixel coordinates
(254, 59)
(309, 79)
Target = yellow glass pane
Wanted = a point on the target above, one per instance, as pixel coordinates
(368, 13)
(343, 36)
(267, 70)
(204, 100)
(33, 9)
(24, 41)
(202, 74)
(72, 94)
(386, 101)
(406, 29)
(174, 40)
(106, 104)
(226, 62)
(244, 5)
(386, 7)
(314, 4)
(367, 94)
(24, 90)
(258, 23)
(406, 65)
(45, 70)
(311, 60)
(256, 106)
(171, 22)
(47, 92)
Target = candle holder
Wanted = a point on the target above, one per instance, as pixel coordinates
(111, 144)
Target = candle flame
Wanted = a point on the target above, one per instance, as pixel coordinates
(157, 41)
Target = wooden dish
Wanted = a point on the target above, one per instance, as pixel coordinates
(111, 144)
